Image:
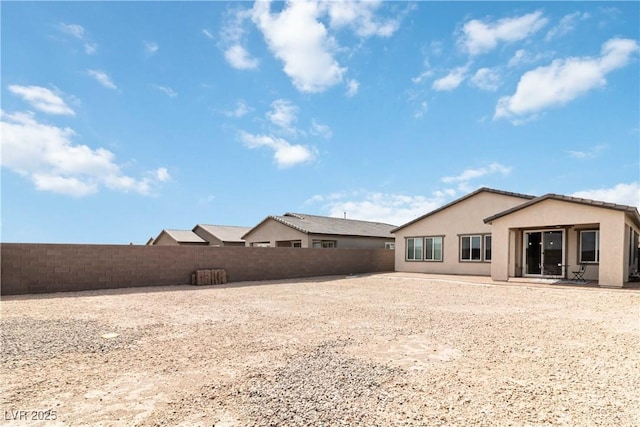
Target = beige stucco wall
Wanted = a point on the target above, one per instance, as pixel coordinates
(165, 240)
(464, 217)
(272, 231)
(573, 217)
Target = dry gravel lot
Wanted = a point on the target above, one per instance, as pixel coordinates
(373, 350)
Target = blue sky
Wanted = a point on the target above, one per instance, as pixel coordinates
(122, 119)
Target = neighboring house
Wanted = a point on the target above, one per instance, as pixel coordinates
(178, 237)
(221, 235)
(505, 235)
(312, 231)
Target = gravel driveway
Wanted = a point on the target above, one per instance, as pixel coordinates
(388, 349)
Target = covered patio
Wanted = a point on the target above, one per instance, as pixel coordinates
(566, 238)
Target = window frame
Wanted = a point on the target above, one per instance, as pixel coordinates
(471, 249)
(484, 249)
(406, 251)
(433, 239)
(324, 244)
(596, 249)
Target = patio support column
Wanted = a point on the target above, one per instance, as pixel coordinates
(612, 239)
(500, 248)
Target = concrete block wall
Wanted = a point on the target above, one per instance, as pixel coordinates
(35, 268)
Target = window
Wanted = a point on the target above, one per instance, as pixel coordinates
(590, 246)
(433, 248)
(389, 245)
(414, 249)
(325, 243)
(487, 247)
(470, 248)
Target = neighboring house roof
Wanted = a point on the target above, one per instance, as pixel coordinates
(314, 224)
(468, 196)
(226, 233)
(630, 210)
(182, 236)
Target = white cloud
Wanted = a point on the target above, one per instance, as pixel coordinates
(622, 194)
(47, 155)
(238, 57)
(232, 41)
(42, 99)
(590, 153)
(77, 31)
(320, 129)
(564, 80)
(451, 80)
(566, 25)
(166, 90)
(396, 209)
(462, 180)
(352, 88)
(102, 78)
(481, 37)
(522, 57)
(74, 30)
(301, 42)
(150, 48)
(486, 79)
(207, 33)
(422, 77)
(518, 58)
(241, 110)
(360, 16)
(285, 153)
(283, 114)
(422, 110)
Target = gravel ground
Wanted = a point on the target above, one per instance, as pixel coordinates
(388, 350)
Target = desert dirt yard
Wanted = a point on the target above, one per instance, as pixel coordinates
(373, 350)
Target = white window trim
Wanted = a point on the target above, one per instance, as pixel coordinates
(484, 248)
(424, 246)
(406, 249)
(470, 236)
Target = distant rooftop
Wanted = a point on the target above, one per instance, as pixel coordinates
(607, 205)
(184, 236)
(314, 224)
(226, 233)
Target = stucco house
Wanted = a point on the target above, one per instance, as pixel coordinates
(510, 235)
(202, 234)
(221, 235)
(313, 231)
(168, 237)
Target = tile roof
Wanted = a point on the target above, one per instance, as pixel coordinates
(314, 224)
(479, 190)
(596, 203)
(226, 233)
(184, 236)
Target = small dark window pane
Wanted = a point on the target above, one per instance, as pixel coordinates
(487, 248)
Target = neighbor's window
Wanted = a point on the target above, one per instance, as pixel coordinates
(414, 248)
(470, 248)
(487, 247)
(590, 246)
(433, 248)
(324, 244)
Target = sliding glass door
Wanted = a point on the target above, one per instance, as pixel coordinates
(544, 253)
